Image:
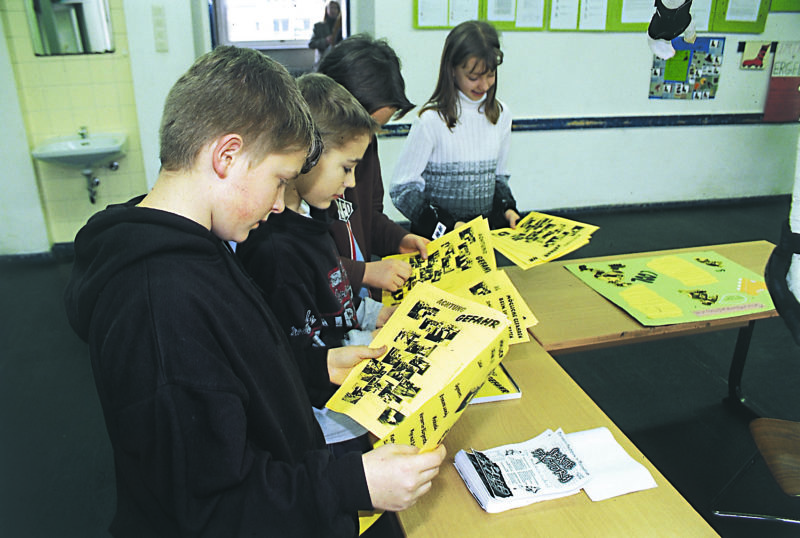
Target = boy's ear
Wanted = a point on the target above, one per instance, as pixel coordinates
(224, 153)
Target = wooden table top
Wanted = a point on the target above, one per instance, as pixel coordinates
(574, 317)
(550, 399)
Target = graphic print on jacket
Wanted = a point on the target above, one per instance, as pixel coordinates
(345, 318)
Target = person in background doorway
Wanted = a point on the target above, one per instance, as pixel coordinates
(328, 32)
(453, 166)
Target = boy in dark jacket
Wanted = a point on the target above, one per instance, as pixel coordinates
(370, 70)
(206, 407)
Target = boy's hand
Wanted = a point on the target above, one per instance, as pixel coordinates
(397, 475)
(512, 217)
(387, 274)
(342, 359)
(384, 315)
(413, 243)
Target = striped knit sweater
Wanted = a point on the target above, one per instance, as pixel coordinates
(447, 176)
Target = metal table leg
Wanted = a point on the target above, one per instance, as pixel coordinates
(735, 400)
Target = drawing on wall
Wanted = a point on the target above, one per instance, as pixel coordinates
(693, 73)
(755, 55)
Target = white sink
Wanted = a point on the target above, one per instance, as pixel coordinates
(82, 152)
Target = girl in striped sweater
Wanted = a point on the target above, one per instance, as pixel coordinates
(453, 167)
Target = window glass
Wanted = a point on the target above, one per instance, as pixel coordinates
(269, 23)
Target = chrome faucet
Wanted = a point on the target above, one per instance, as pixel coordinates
(83, 132)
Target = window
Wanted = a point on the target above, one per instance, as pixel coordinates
(270, 24)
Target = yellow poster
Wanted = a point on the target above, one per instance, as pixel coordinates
(440, 349)
(677, 288)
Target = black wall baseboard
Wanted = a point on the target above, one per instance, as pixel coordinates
(611, 122)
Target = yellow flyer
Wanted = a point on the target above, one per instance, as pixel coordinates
(461, 254)
(440, 349)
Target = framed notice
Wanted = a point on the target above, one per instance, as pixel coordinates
(629, 15)
(739, 16)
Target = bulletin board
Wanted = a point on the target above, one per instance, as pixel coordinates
(514, 15)
(580, 15)
(722, 16)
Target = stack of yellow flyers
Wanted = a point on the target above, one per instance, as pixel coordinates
(540, 238)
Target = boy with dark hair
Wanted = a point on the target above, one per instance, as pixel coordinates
(206, 408)
(370, 70)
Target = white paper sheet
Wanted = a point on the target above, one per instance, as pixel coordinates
(593, 14)
(564, 14)
(743, 10)
(530, 13)
(431, 13)
(612, 470)
(463, 10)
(500, 10)
(701, 14)
(637, 11)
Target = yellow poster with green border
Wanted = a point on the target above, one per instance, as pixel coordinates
(677, 288)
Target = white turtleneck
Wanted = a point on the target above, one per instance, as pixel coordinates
(455, 170)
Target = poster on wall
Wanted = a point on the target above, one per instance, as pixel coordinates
(783, 97)
(755, 56)
(693, 73)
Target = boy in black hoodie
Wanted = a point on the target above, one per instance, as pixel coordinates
(206, 408)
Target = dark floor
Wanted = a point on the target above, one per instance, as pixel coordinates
(56, 470)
